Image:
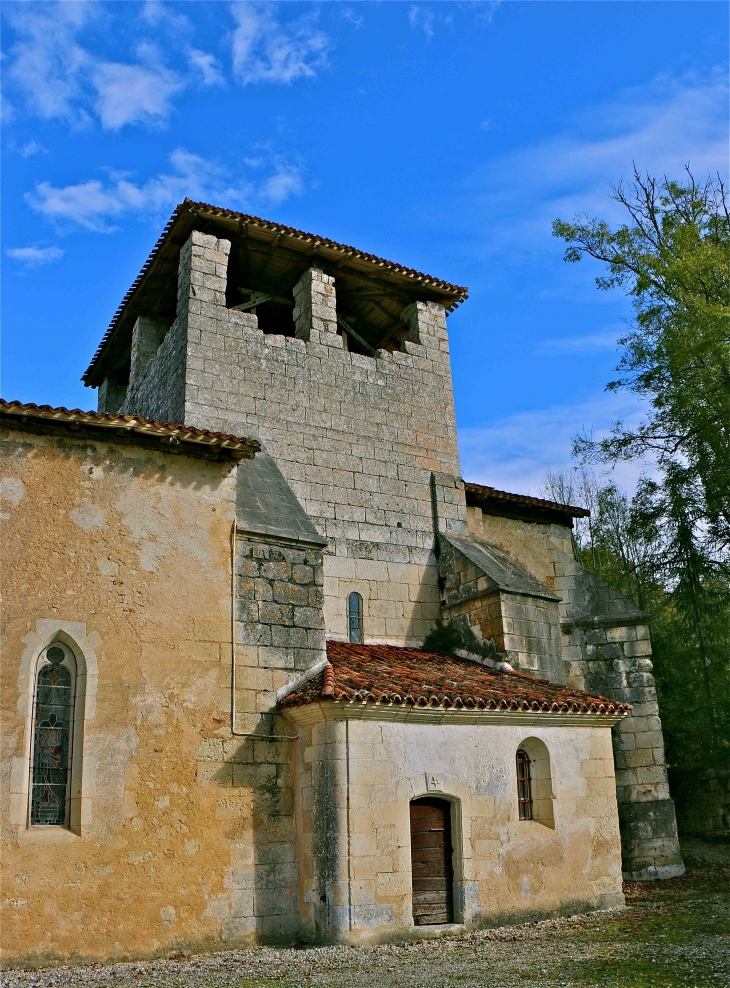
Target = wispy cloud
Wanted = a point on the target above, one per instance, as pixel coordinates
(515, 453)
(207, 66)
(33, 257)
(57, 77)
(661, 127)
(31, 148)
(134, 93)
(265, 49)
(54, 68)
(95, 204)
(156, 12)
(421, 17)
(590, 343)
(349, 15)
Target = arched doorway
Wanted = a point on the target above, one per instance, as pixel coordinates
(431, 861)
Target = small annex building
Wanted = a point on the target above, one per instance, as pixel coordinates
(219, 726)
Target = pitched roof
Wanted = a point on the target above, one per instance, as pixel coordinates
(105, 426)
(389, 674)
(501, 570)
(266, 504)
(161, 265)
(498, 502)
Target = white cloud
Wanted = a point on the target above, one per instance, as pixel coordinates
(487, 10)
(138, 93)
(207, 66)
(35, 256)
(59, 78)
(53, 74)
(580, 344)
(31, 148)
(515, 453)
(661, 127)
(349, 14)
(421, 17)
(285, 182)
(266, 50)
(94, 204)
(46, 64)
(155, 12)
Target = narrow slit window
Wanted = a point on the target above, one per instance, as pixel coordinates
(524, 785)
(354, 618)
(52, 740)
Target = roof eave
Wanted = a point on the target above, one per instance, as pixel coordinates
(507, 505)
(319, 709)
(105, 427)
(343, 255)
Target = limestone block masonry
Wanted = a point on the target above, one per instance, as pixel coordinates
(356, 778)
(369, 448)
(355, 437)
(615, 661)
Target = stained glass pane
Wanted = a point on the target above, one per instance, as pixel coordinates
(354, 618)
(524, 785)
(51, 741)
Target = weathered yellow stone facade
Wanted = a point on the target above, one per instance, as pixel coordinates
(123, 554)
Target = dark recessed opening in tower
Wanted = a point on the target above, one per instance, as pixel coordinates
(261, 281)
(369, 316)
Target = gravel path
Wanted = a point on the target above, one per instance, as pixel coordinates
(672, 934)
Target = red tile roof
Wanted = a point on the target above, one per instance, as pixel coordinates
(389, 674)
(296, 239)
(479, 492)
(175, 438)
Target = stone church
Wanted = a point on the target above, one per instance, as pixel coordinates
(219, 726)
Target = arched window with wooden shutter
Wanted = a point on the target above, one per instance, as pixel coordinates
(535, 799)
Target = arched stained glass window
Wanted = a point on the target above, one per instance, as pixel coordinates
(524, 785)
(52, 739)
(354, 618)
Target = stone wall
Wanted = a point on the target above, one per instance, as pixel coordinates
(123, 553)
(607, 650)
(279, 622)
(498, 597)
(357, 777)
(528, 543)
(355, 437)
(279, 634)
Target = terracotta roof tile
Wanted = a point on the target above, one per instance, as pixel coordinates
(478, 492)
(453, 294)
(390, 674)
(169, 436)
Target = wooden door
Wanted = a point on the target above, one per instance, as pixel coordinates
(433, 875)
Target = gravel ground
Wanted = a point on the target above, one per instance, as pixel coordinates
(673, 934)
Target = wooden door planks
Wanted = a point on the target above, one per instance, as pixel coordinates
(431, 862)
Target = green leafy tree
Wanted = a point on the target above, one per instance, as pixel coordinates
(643, 548)
(673, 259)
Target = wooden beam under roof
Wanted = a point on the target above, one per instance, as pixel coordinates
(353, 266)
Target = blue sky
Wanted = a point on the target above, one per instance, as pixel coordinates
(446, 136)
